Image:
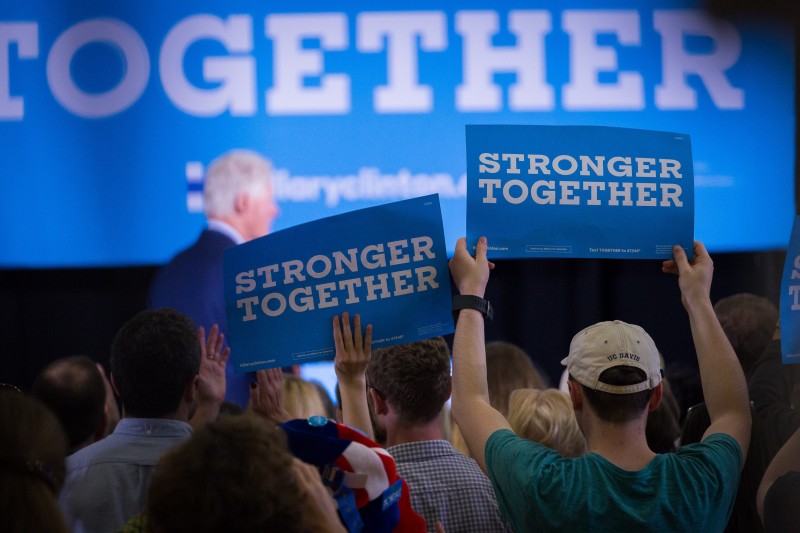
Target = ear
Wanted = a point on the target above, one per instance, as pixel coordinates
(449, 388)
(655, 398)
(114, 384)
(575, 394)
(241, 203)
(379, 405)
(190, 392)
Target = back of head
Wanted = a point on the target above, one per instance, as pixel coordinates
(238, 473)
(508, 368)
(74, 390)
(301, 398)
(32, 451)
(153, 358)
(414, 378)
(546, 417)
(233, 173)
(749, 322)
(618, 366)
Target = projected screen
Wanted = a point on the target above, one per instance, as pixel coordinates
(110, 111)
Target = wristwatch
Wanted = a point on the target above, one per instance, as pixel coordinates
(465, 301)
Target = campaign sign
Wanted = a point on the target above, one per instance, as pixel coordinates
(387, 263)
(790, 299)
(579, 191)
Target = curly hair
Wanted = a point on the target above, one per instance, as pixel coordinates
(238, 474)
(414, 378)
(154, 356)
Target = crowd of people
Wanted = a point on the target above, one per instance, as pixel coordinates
(169, 440)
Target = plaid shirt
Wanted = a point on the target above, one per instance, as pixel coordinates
(448, 487)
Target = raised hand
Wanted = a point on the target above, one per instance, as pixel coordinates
(351, 361)
(470, 274)
(694, 277)
(352, 353)
(266, 395)
(211, 387)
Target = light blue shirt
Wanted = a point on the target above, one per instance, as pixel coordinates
(107, 482)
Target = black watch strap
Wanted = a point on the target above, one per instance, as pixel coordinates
(465, 301)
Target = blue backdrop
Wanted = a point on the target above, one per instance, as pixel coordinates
(109, 111)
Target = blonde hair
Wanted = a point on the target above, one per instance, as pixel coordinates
(508, 368)
(301, 398)
(546, 417)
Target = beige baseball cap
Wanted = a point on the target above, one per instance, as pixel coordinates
(609, 344)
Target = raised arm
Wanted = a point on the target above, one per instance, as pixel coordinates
(475, 416)
(724, 386)
(211, 386)
(352, 357)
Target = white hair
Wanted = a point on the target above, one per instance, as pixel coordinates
(233, 173)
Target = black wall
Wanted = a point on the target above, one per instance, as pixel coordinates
(539, 304)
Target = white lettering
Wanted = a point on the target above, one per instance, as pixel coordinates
(293, 64)
(136, 71)
(235, 75)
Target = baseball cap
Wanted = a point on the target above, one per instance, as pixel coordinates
(609, 344)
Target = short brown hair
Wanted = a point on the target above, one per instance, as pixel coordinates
(618, 408)
(414, 378)
(238, 471)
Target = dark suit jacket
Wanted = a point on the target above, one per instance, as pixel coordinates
(192, 284)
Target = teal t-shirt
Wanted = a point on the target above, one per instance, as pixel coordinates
(538, 490)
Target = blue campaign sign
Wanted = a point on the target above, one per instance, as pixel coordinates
(790, 299)
(110, 111)
(387, 263)
(579, 191)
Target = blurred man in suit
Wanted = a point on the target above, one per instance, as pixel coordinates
(239, 206)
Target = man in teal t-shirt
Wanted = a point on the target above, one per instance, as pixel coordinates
(615, 381)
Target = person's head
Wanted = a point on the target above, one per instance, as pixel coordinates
(301, 398)
(238, 190)
(508, 368)
(749, 322)
(155, 358)
(546, 417)
(238, 471)
(74, 390)
(32, 451)
(413, 379)
(616, 368)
